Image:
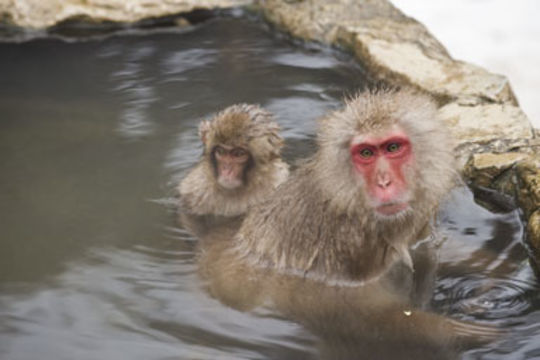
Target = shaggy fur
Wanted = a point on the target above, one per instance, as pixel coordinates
(247, 126)
(318, 223)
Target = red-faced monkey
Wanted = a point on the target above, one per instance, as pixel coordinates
(384, 162)
(330, 247)
(240, 166)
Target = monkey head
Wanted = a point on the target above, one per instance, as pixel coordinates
(381, 163)
(392, 149)
(240, 165)
(237, 140)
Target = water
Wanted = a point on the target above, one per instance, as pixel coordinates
(95, 135)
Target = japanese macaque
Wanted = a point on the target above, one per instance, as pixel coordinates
(331, 247)
(353, 209)
(240, 166)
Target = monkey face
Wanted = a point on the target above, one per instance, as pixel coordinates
(231, 164)
(381, 160)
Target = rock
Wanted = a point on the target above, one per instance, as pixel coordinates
(533, 228)
(182, 22)
(321, 20)
(485, 169)
(516, 174)
(390, 45)
(39, 14)
(486, 122)
(528, 180)
(533, 235)
(505, 183)
(429, 67)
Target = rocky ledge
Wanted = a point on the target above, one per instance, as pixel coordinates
(497, 146)
(40, 14)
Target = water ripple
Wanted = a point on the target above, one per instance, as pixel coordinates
(485, 297)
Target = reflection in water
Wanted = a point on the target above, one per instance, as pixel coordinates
(184, 60)
(93, 265)
(351, 319)
(138, 303)
(138, 94)
(304, 61)
(484, 274)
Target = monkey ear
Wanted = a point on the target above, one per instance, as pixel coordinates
(204, 128)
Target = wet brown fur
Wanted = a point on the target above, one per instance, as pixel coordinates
(242, 125)
(318, 224)
(320, 255)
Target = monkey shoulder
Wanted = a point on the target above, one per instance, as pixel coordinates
(193, 189)
(293, 201)
(281, 172)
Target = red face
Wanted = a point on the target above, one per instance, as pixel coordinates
(231, 163)
(381, 161)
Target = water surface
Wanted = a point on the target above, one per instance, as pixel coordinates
(94, 136)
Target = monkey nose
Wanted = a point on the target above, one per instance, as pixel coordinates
(384, 181)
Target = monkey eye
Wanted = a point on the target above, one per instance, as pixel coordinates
(238, 152)
(366, 153)
(219, 150)
(393, 147)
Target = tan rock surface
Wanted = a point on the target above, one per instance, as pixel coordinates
(484, 169)
(390, 44)
(486, 122)
(533, 233)
(38, 14)
(528, 174)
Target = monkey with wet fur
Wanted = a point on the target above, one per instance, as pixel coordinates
(240, 166)
(333, 242)
(384, 163)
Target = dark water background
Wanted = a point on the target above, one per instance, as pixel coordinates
(94, 136)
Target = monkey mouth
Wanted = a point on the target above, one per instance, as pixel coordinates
(392, 208)
(229, 177)
(230, 183)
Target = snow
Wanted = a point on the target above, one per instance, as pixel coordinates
(500, 35)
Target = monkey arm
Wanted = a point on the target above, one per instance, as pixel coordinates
(372, 317)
